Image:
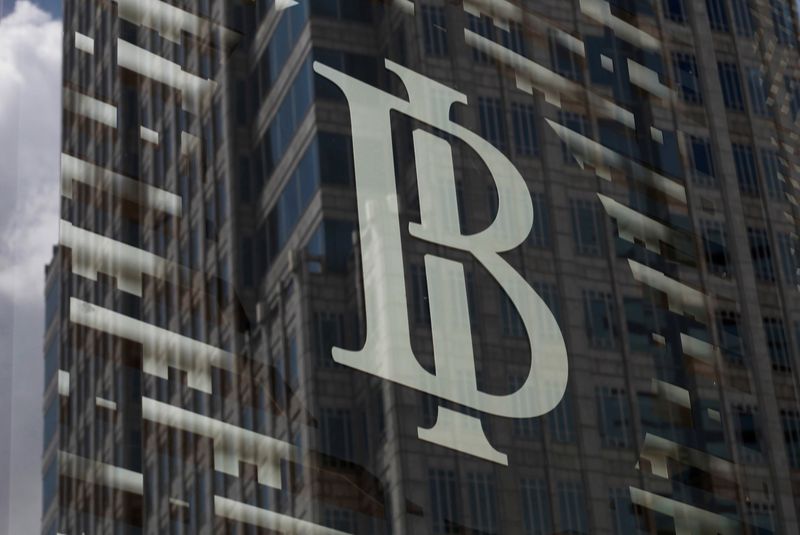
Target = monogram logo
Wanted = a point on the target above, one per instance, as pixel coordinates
(387, 351)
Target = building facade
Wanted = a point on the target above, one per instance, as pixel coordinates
(312, 252)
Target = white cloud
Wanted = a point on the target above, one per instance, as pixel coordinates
(30, 111)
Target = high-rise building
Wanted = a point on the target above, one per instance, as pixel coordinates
(464, 266)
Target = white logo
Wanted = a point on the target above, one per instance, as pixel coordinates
(387, 351)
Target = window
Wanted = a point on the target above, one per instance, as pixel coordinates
(577, 123)
(482, 502)
(703, 170)
(444, 501)
(535, 507)
(50, 485)
(793, 92)
(761, 516)
(52, 303)
(359, 66)
(482, 26)
(717, 16)
(526, 428)
(549, 294)
(353, 10)
(789, 263)
(561, 422)
(586, 228)
(540, 233)
(777, 344)
(746, 429)
(523, 119)
(51, 417)
(687, 77)
(492, 121)
(291, 112)
(761, 254)
(731, 85)
(601, 327)
(435, 29)
(626, 521)
(51, 364)
(336, 434)
(745, 160)
(419, 288)
(614, 416)
(674, 10)
(512, 321)
(743, 17)
(514, 39)
(715, 244)
(329, 333)
(330, 248)
(643, 319)
(564, 61)
(283, 41)
(572, 511)
(791, 436)
(335, 158)
(730, 336)
(294, 364)
(783, 22)
(339, 519)
(758, 92)
(774, 173)
(293, 200)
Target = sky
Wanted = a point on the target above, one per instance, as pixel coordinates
(30, 74)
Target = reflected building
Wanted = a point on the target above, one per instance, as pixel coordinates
(216, 250)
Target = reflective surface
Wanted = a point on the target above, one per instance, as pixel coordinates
(348, 266)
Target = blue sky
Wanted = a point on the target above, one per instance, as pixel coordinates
(52, 6)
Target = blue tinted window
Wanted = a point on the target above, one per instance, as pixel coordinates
(717, 15)
(614, 415)
(535, 507)
(540, 232)
(674, 10)
(444, 513)
(793, 93)
(482, 502)
(523, 118)
(783, 22)
(777, 344)
(743, 17)
(703, 161)
(758, 94)
(745, 160)
(601, 325)
(571, 507)
(687, 77)
(492, 121)
(351, 10)
(731, 86)
(791, 434)
(730, 336)
(52, 303)
(774, 172)
(435, 30)
(587, 228)
(761, 254)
